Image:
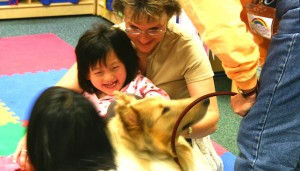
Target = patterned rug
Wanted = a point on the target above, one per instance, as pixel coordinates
(29, 64)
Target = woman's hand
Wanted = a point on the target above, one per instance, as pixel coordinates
(208, 124)
(20, 156)
(241, 105)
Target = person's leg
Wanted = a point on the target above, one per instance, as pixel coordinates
(269, 136)
(298, 166)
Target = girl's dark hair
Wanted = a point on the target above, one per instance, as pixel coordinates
(94, 46)
(151, 10)
(66, 133)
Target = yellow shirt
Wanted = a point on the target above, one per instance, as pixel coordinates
(221, 28)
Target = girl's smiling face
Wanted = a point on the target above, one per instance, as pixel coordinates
(108, 76)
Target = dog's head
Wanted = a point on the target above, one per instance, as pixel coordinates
(149, 122)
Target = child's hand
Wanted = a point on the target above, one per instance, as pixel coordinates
(20, 155)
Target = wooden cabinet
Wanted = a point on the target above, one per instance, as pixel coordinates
(106, 13)
(34, 8)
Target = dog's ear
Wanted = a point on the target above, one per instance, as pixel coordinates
(123, 98)
(131, 119)
(124, 108)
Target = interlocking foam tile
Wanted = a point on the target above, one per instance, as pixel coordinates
(227, 157)
(20, 91)
(32, 53)
(10, 134)
(6, 116)
(228, 161)
(219, 149)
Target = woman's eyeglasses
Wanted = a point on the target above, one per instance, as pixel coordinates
(151, 32)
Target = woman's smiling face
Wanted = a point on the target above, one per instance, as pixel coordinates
(143, 42)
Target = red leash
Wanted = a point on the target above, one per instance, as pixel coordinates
(185, 112)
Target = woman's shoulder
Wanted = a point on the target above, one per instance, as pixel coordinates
(178, 41)
(179, 35)
(181, 31)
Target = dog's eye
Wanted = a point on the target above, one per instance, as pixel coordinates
(166, 109)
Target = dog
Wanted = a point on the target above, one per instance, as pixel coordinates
(141, 131)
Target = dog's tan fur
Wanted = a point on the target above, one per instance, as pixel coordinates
(141, 133)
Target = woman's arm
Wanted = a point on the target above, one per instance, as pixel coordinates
(208, 124)
(70, 80)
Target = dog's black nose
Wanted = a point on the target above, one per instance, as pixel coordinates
(206, 101)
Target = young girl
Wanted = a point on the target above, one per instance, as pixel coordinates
(107, 62)
(64, 133)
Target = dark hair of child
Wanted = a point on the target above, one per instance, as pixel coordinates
(65, 133)
(93, 48)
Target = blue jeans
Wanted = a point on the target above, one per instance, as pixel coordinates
(269, 136)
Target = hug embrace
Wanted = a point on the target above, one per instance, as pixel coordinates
(158, 45)
(177, 65)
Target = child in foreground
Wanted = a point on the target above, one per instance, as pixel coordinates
(65, 133)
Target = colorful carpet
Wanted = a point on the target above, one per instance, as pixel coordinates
(30, 64)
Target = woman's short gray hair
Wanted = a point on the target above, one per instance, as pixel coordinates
(149, 9)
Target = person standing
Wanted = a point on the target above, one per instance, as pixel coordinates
(269, 133)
